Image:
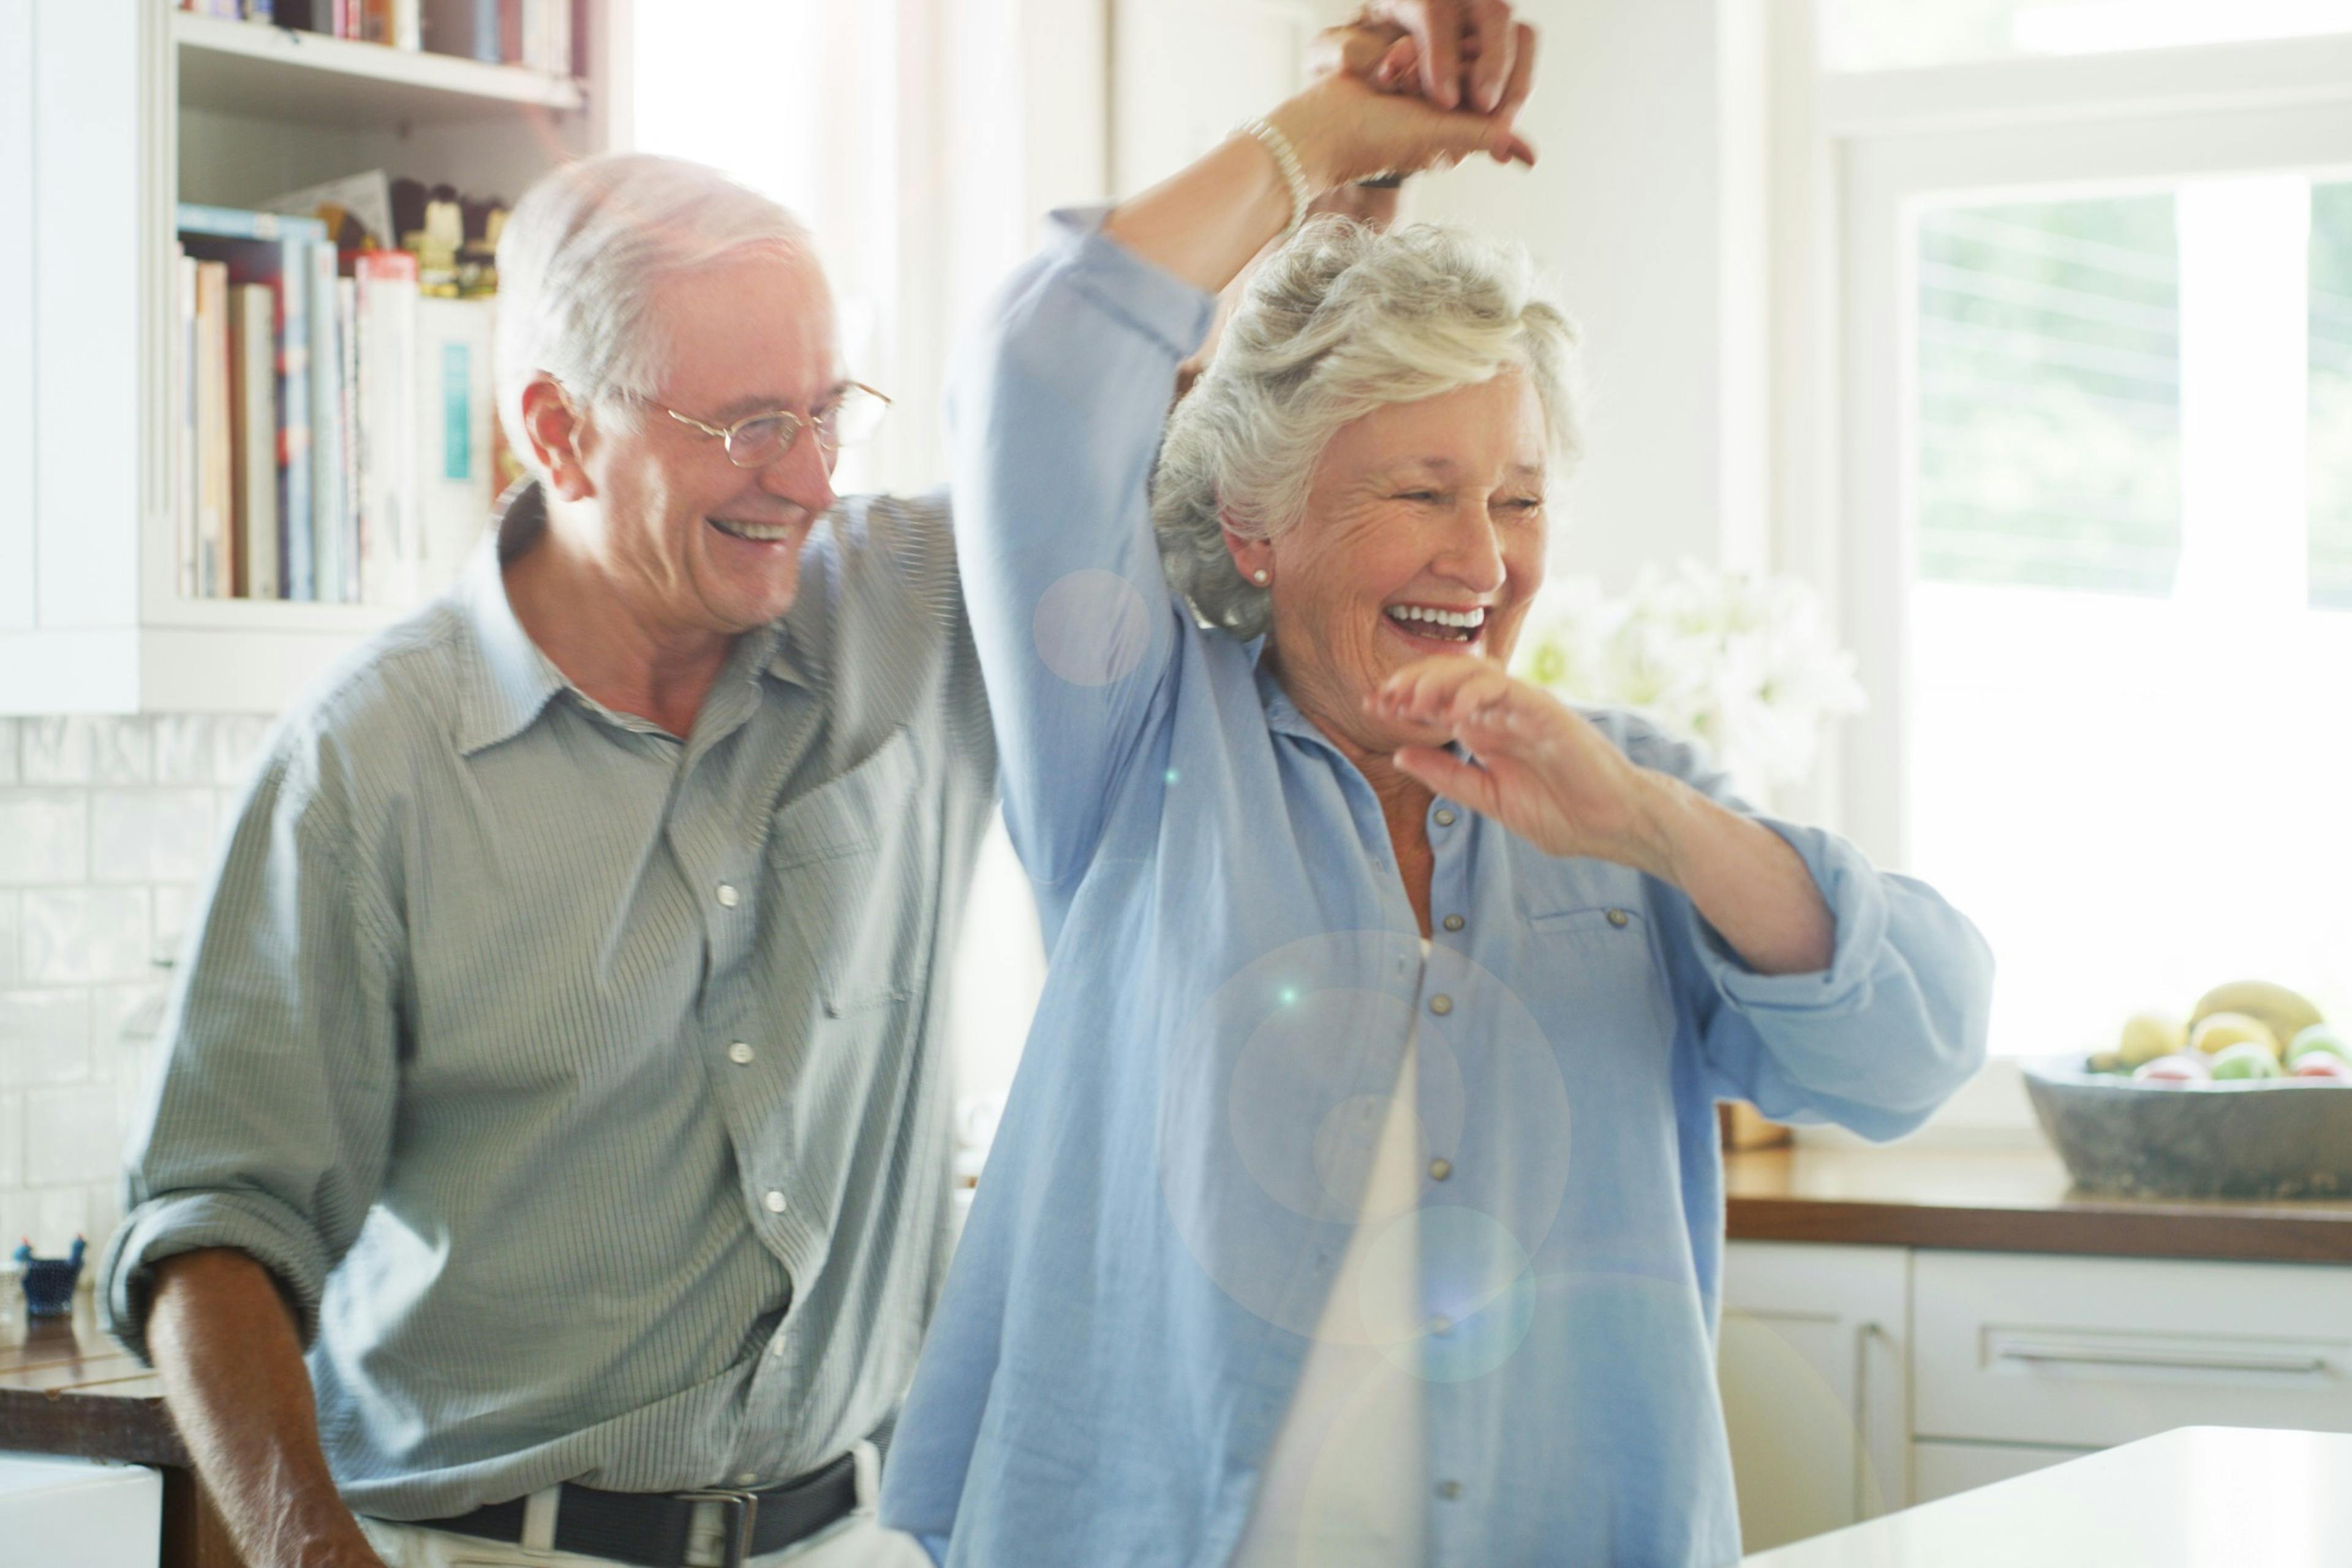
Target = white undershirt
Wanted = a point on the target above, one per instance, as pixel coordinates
(1346, 1484)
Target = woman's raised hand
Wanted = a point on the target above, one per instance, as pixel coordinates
(1539, 767)
(1373, 115)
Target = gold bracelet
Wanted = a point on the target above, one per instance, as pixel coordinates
(1286, 158)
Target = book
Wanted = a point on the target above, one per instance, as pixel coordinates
(456, 428)
(183, 433)
(253, 474)
(465, 28)
(387, 412)
(215, 536)
(326, 516)
(347, 393)
(273, 250)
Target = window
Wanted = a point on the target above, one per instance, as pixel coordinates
(1891, 35)
(2127, 701)
(2095, 425)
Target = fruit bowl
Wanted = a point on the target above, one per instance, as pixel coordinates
(2258, 1138)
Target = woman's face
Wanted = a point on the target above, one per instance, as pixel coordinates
(1423, 535)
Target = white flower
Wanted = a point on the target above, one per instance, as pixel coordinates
(1744, 663)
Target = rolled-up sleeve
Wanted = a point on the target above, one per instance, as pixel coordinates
(270, 1121)
(1876, 1041)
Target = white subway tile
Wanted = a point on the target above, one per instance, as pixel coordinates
(184, 748)
(236, 745)
(44, 836)
(7, 751)
(44, 1037)
(176, 908)
(71, 1136)
(86, 935)
(12, 1150)
(123, 1019)
(150, 835)
(85, 750)
(57, 1213)
(11, 934)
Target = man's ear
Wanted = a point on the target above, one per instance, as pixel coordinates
(557, 433)
(1253, 557)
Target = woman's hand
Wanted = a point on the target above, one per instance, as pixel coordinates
(1541, 769)
(1361, 121)
(1546, 774)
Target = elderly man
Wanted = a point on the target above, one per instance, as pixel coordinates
(556, 1057)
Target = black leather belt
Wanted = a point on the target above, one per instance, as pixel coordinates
(654, 1528)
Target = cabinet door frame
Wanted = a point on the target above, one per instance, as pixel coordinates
(1845, 1312)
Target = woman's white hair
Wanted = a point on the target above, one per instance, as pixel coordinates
(583, 252)
(1340, 322)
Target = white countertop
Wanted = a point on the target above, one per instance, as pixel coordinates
(2202, 1497)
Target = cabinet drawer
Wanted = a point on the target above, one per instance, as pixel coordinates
(2092, 1351)
(1941, 1470)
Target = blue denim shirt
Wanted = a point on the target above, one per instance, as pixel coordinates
(1234, 972)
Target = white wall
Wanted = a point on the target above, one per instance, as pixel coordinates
(1647, 204)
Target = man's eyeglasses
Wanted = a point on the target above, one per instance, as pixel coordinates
(758, 439)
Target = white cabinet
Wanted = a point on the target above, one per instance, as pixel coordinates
(1938, 1470)
(110, 115)
(2092, 1351)
(1811, 1366)
(1859, 1380)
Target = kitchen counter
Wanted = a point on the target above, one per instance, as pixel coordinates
(2006, 1201)
(2201, 1497)
(66, 1387)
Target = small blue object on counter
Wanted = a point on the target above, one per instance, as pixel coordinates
(49, 1281)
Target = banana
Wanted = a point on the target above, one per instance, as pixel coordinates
(2283, 1011)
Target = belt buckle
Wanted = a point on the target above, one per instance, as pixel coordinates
(741, 1512)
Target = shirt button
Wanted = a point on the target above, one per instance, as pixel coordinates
(747, 1478)
(774, 1202)
(1449, 1491)
(1453, 923)
(1440, 1168)
(1440, 1003)
(728, 897)
(1617, 918)
(741, 1055)
(1445, 817)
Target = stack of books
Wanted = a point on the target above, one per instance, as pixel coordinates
(538, 34)
(333, 439)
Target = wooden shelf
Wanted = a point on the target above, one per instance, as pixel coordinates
(275, 73)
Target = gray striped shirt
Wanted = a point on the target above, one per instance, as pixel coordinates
(582, 1086)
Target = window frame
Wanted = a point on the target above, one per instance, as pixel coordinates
(1855, 157)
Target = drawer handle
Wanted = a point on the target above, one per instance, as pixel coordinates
(2195, 1361)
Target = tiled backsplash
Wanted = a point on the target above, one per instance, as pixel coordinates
(107, 827)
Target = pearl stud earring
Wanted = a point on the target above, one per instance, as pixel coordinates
(1258, 576)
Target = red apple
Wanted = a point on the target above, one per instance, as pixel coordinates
(2174, 1071)
(2318, 1067)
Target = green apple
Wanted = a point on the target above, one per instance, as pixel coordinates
(2247, 1059)
(2322, 1037)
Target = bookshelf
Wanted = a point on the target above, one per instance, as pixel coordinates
(110, 115)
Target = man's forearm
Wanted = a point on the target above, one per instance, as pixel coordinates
(232, 1374)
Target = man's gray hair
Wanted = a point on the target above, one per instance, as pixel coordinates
(582, 255)
(1342, 320)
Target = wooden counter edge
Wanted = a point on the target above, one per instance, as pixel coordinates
(2139, 1231)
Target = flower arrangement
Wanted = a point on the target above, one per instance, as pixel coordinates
(1742, 662)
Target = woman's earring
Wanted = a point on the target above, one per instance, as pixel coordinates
(1258, 576)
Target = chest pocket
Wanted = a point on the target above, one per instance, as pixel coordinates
(846, 884)
(1624, 1013)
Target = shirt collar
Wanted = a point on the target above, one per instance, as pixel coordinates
(514, 680)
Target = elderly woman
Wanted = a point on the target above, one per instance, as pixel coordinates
(1359, 1199)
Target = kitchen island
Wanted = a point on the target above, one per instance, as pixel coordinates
(2200, 1497)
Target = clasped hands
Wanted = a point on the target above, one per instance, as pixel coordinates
(1411, 85)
